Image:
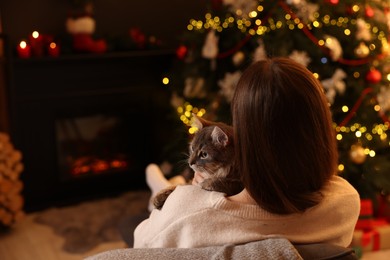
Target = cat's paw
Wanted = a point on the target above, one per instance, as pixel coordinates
(161, 197)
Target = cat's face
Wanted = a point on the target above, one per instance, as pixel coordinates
(211, 152)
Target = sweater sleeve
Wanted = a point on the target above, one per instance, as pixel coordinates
(166, 223)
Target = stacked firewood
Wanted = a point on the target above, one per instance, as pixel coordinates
(11, 200)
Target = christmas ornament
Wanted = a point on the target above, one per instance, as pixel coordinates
(245, 6)
(300, 57)
(363, 31)
(194, 88)
(369, 11)
(383, 98)
(181, 51)
(374, 76)
(238, 58)
(333, 2)
(356, 154)
(336, 52)
(210, 48)
(259, 53)
(228, 84)
(81, 26)
(293, 2)
(305, 11)
(138, 37)
(362, 50)
(334, 85)
(385, 47)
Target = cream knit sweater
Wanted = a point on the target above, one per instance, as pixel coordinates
(192, 217)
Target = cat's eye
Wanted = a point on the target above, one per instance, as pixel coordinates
(203, 155)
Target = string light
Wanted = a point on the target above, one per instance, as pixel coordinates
(165, 81)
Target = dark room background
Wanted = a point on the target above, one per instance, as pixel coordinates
(163, 19)
(40, 93)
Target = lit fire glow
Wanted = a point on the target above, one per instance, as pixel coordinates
(88, 165)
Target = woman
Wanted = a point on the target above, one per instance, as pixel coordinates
(287, 156)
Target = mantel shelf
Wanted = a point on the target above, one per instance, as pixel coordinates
(98, 56)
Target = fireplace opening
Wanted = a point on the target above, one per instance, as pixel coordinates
(94, 145)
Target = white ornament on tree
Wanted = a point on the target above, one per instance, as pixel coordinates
(210, 48)
(259, 53)
(228, 84)
(300, 57)
(336, 52)
(238, 58)
(383, 98)
(357, 154)
(194, 88)
(363, 31)
(334, 85)
(245, 6)
(306, 11)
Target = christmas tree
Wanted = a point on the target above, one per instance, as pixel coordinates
(344, 44)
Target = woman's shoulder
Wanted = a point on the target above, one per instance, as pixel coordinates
(340, 185)
(339, 192)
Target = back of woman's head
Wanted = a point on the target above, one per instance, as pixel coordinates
(284, 139)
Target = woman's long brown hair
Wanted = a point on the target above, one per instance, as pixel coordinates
(285, 144)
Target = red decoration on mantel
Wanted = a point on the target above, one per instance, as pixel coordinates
(37, 44)
(53, 50)
(138, 37)
(85, 43)
(24, 50)
(374, 76)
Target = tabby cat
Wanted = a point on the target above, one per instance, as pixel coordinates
(211, 153)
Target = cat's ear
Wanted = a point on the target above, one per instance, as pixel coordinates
(196, 122)
(219, 137)
(199, 122)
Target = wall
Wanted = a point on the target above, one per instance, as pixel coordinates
(164, 19)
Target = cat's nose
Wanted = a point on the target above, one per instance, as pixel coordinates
(191, 162)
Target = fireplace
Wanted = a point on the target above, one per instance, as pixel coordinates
(95, 145)
(87, 125)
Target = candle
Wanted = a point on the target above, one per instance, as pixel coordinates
(24, 50)
(53, 49)
(36, 41)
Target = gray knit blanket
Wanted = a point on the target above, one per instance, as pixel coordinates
(271, 248)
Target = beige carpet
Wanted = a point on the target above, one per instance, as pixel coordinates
(88, 224)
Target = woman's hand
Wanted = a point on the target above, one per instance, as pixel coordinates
(198, 178)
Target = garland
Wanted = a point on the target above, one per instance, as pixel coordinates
(315, 40)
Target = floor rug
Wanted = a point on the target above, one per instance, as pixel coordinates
(88, 224)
